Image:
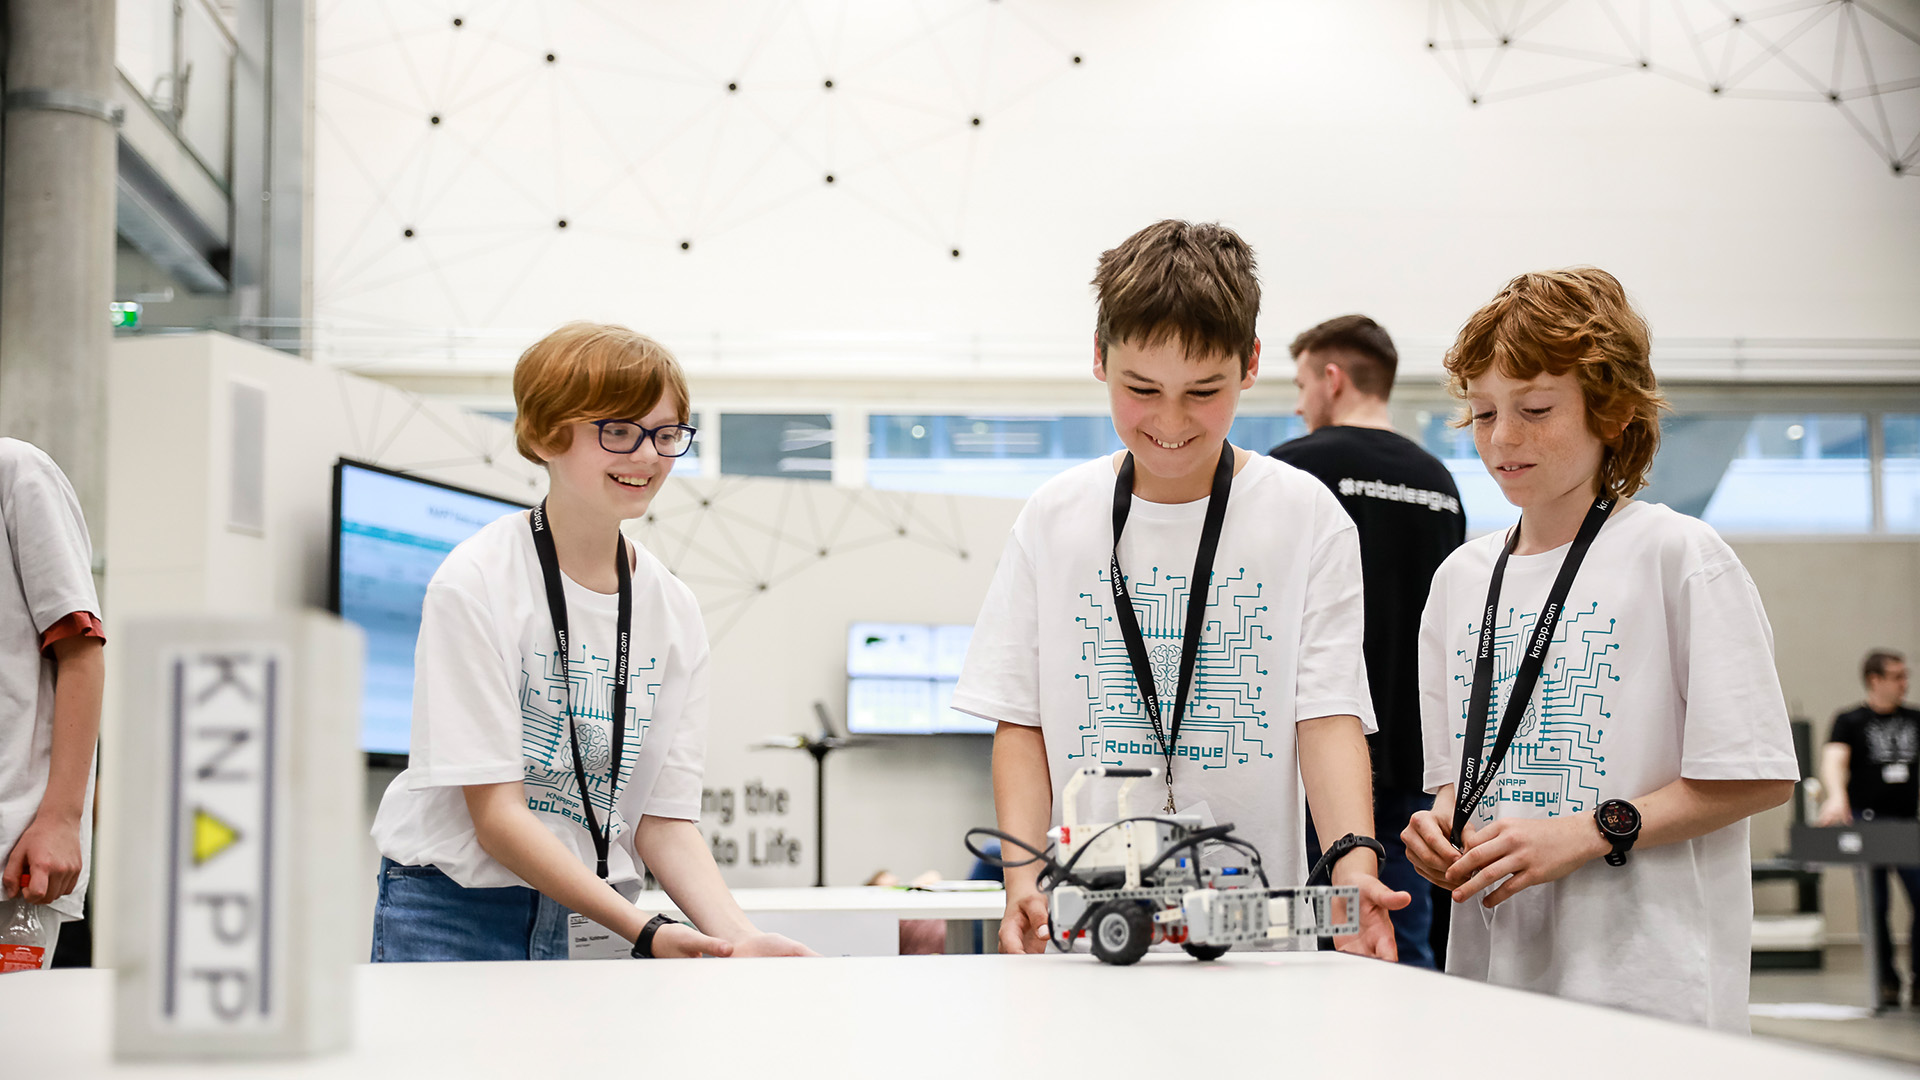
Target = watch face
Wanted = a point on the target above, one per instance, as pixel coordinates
(1617, 818)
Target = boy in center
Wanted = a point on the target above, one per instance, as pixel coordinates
(1270, 694)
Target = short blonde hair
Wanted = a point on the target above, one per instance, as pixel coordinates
(589, 371)
(1577, 320)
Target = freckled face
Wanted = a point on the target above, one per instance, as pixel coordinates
(1533, 437)
(1173, 411)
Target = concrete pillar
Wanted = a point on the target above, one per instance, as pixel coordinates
(57, 237)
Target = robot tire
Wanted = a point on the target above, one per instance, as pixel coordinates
(1205, 952)
(1121, 931)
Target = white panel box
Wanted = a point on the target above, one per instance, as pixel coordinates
(236, 810)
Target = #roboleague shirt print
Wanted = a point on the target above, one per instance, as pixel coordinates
(1281, 643)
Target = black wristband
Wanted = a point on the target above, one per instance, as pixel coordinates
(1339, 849)
(643, 945)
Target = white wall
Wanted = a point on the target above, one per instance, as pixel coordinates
(1327, 133)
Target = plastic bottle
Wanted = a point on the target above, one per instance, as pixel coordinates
(24, 944)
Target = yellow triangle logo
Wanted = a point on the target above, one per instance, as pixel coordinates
(211, 836)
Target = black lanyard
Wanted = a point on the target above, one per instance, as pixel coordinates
(1476, 775)
(557, 606)
(1199, 588)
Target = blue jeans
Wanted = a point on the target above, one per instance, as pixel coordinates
(421, 914)
(1413, 924)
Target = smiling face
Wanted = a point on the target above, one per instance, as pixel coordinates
(1533, 437)
(1173, 412)
(608, 485)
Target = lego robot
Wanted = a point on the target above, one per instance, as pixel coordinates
(1136, 881)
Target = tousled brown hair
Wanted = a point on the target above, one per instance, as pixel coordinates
(588, 371)
(1877, 662)
(1176, 280)
(1579, 321)
(1361, 348)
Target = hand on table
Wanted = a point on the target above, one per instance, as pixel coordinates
(1525, 851)
(762, 944)
(1023, 929)
(1375, 938)
(45, 863)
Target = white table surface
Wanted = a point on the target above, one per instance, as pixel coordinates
(1299, 1015)
(855, 900)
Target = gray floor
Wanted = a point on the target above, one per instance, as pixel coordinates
(1893, 1034)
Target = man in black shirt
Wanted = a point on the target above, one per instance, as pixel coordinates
(1871, 769)
(1407, 510)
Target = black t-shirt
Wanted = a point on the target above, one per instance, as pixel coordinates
(1407, 509)
(1885, 755)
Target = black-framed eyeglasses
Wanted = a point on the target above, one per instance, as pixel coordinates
(623, 437)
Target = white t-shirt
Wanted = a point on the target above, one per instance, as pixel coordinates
(1281, 644)
(1661, 668)
(488, 707)
(50, 560)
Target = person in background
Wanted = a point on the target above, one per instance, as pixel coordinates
(1870, 769)
(1404, 503)
(52, 671)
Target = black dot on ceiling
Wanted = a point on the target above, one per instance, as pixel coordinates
(1475, 100)
(434, 119)
(963, 554)
(976, 121)
(486, 459)
(823, 553)
(649, 519)
(685, 245)
(706, 502)
(551, 58)
(1716, 89)
(955, 253)
(829, 178)
(562, 223)
(408, 233)
(1506, 41)
(828, 84)
(1643, 63)
(1899, 167)
(763, 586)
(1076, 59)
(1430, 45)
(458, 22)
(1736, 20)
(902, 532)
(732, 86)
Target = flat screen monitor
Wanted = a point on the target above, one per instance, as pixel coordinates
(390, 533)
(900, 679)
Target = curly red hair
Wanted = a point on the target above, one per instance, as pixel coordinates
(1579, 321)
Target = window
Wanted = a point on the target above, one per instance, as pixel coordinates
(1900, 471)
(797, 446)
(1793, 473)
(1010, 456)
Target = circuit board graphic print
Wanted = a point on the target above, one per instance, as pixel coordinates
(1557, 758)
(548, 753)
(1226, 723)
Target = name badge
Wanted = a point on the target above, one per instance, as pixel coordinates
(1896, 773)
(588, 940)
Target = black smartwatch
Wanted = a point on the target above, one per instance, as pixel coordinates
(1619, 822)
(643, 945)
(1323, 870)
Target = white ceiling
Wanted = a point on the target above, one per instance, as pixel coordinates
(1331, 135)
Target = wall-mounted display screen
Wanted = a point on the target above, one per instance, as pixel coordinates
(390, 533)
(900, 679)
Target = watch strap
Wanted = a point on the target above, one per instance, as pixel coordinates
(1339, 849)
(643, 945)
